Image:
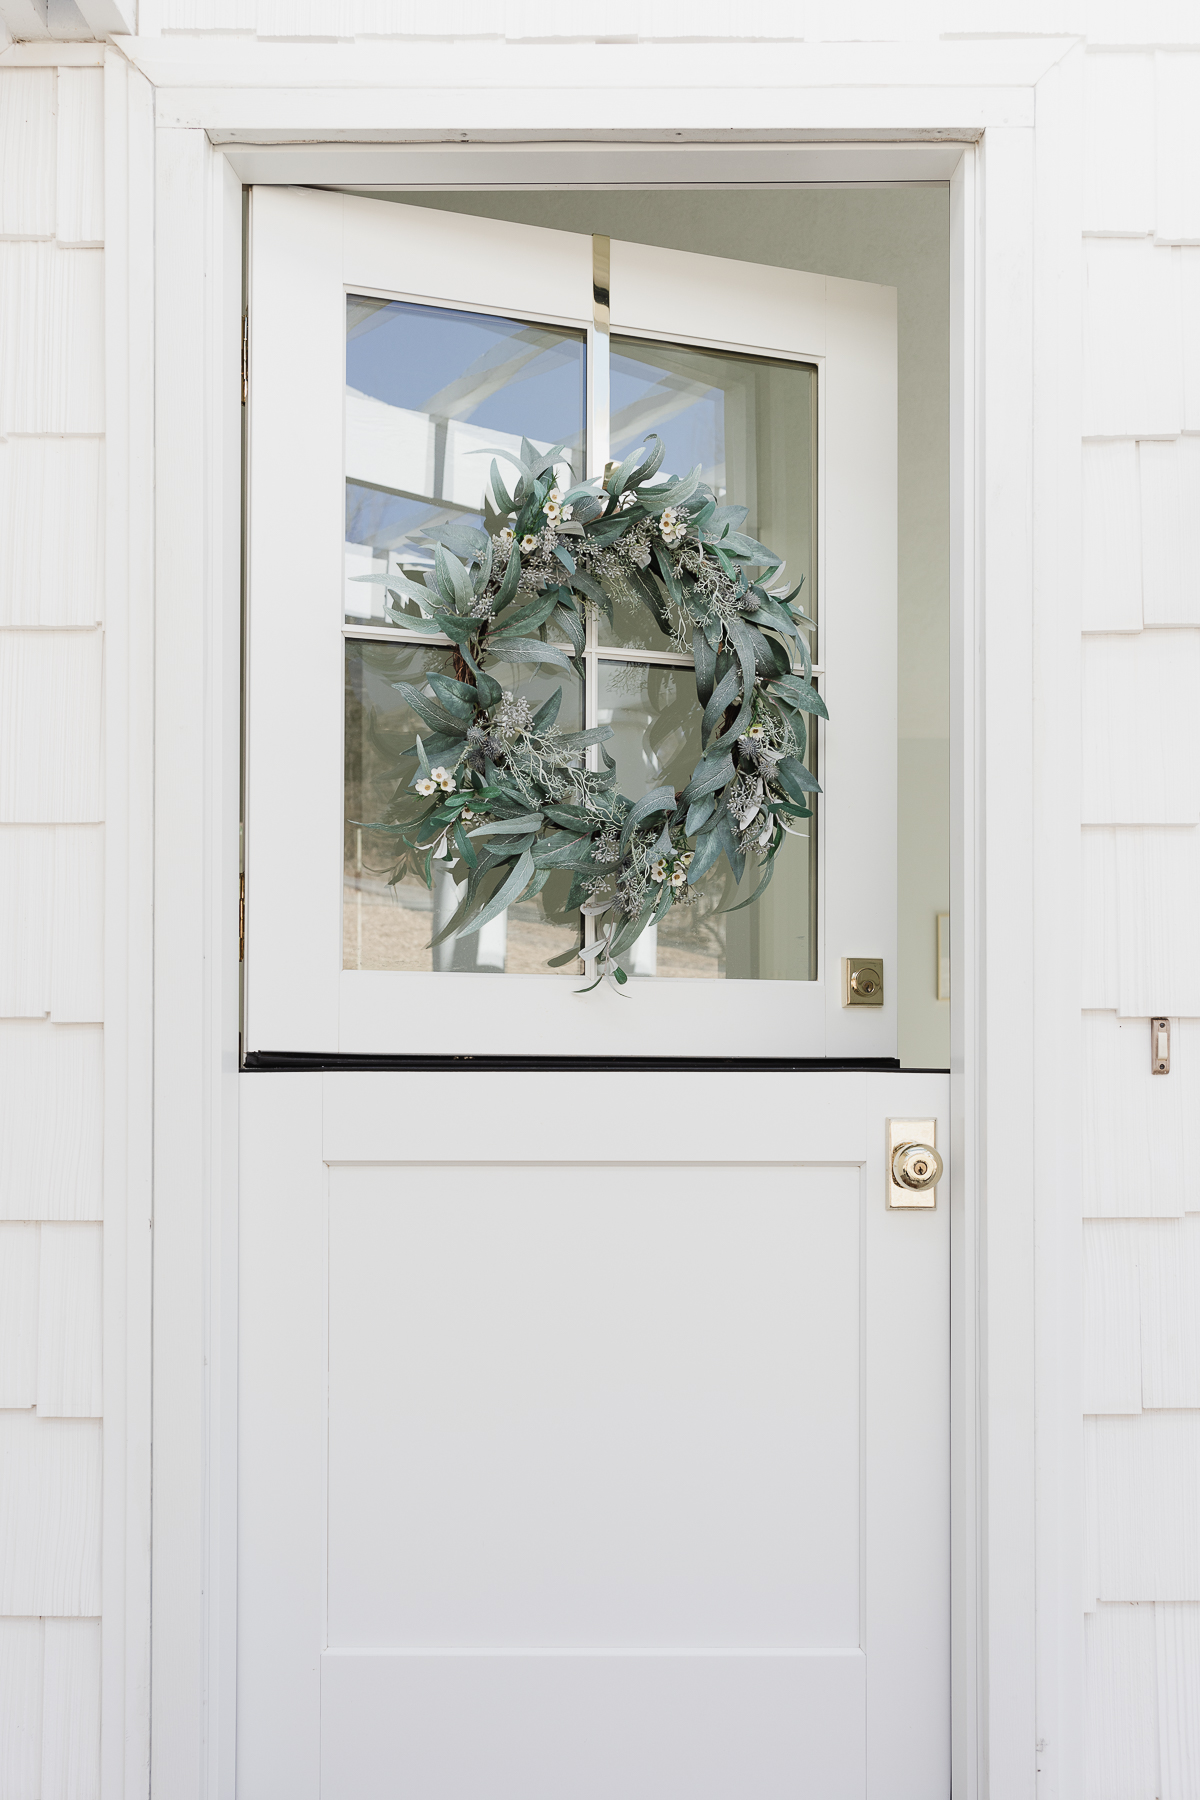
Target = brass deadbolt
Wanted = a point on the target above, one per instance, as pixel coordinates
(862, 981)
(916, 1166)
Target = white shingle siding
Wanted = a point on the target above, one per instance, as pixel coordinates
(51, 1120)
(51, 526)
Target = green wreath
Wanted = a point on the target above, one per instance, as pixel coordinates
(505, 796)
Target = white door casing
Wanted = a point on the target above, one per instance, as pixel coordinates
(307, 251)
(563, 1475)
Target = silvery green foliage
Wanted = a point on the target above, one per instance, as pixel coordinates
(505, 796)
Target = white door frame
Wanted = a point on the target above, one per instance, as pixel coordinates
(174, 269)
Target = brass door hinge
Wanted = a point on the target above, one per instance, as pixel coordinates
(245, 355)
(241, 918)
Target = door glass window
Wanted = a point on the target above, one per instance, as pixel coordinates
(427, 389)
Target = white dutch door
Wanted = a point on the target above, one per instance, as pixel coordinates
(593, 1406)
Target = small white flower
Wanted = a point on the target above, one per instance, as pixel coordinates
(658, 870)
(506, 534)
(439, 774)
(528, 543)
(553, 511)
(554, 497)
(686, 858)
(668, 518)
(466, 815)
(567, 513)
(448, 785)
(678, 876)
(756, 732)
(425, 786)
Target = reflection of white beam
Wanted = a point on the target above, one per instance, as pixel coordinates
(394, 448)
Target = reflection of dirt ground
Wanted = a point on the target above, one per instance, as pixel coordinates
(379, 932)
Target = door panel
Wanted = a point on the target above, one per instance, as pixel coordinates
(564, 1476)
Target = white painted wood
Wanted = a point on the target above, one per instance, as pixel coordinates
(69, 1322)
(1119, 153)
(71, 1710)
(18, 1315)
(51, 339)
(1177, 1634)
(1098, 945)
(1112, 539)
(80, 213)
(1140, 765)
(1122, 1714)
(628, 1531)
(51, 1109)
(653, 1726)
(324, 21)
(21, 1708)
(1134, 1158)
(27, 134)
(1177, 147)
(51, 499)
(1169, 1272)
(1158, 869)
(50, 704)
(1112, 1345)
(1170, 509)
(1133, 378)
(105, 17)
(49, 1515)
(26, 883)
(128, 903)
(207, 15)
(1146, 1474)
(77, 928)
(849, 327)
(1189, 264)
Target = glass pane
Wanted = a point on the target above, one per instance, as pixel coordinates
(426, 387)
(750, 424)
(656, 724)
(389, 925)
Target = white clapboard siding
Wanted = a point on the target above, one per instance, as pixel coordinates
(1189, 264)
(1134, 1146)
(1119, 143)
(26, 887)
(18, 1317)
(52, 922)
(1141, 729)
(1112, 1349)
(1170, 530)
(71, 1710)
(68, 1329)
(1112, 537)
(27, 141)
(1168, 1267)
(77, 925)
(51, 1114)
(207, 15)
(320, 19)
(49, 1516)
(1147, 22)
(1177, 112)
(51, 527)
(50, 738)
(80, 156)
(409, 18)
(21, 1665)
(51, 339)
(1147, 1475)
(1121, 1726)
(1133, 339)
(1177, 1633)
(1139, 918)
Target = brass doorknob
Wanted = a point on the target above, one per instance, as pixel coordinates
(865, 980)
(917, 1166)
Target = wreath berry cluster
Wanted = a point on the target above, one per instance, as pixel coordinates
(504, 795)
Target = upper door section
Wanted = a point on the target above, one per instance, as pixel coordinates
(394, 351)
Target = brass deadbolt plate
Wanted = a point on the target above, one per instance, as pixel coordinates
(915, 1136)
(862, 981)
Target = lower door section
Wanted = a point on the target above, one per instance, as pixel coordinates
(593, 1440)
